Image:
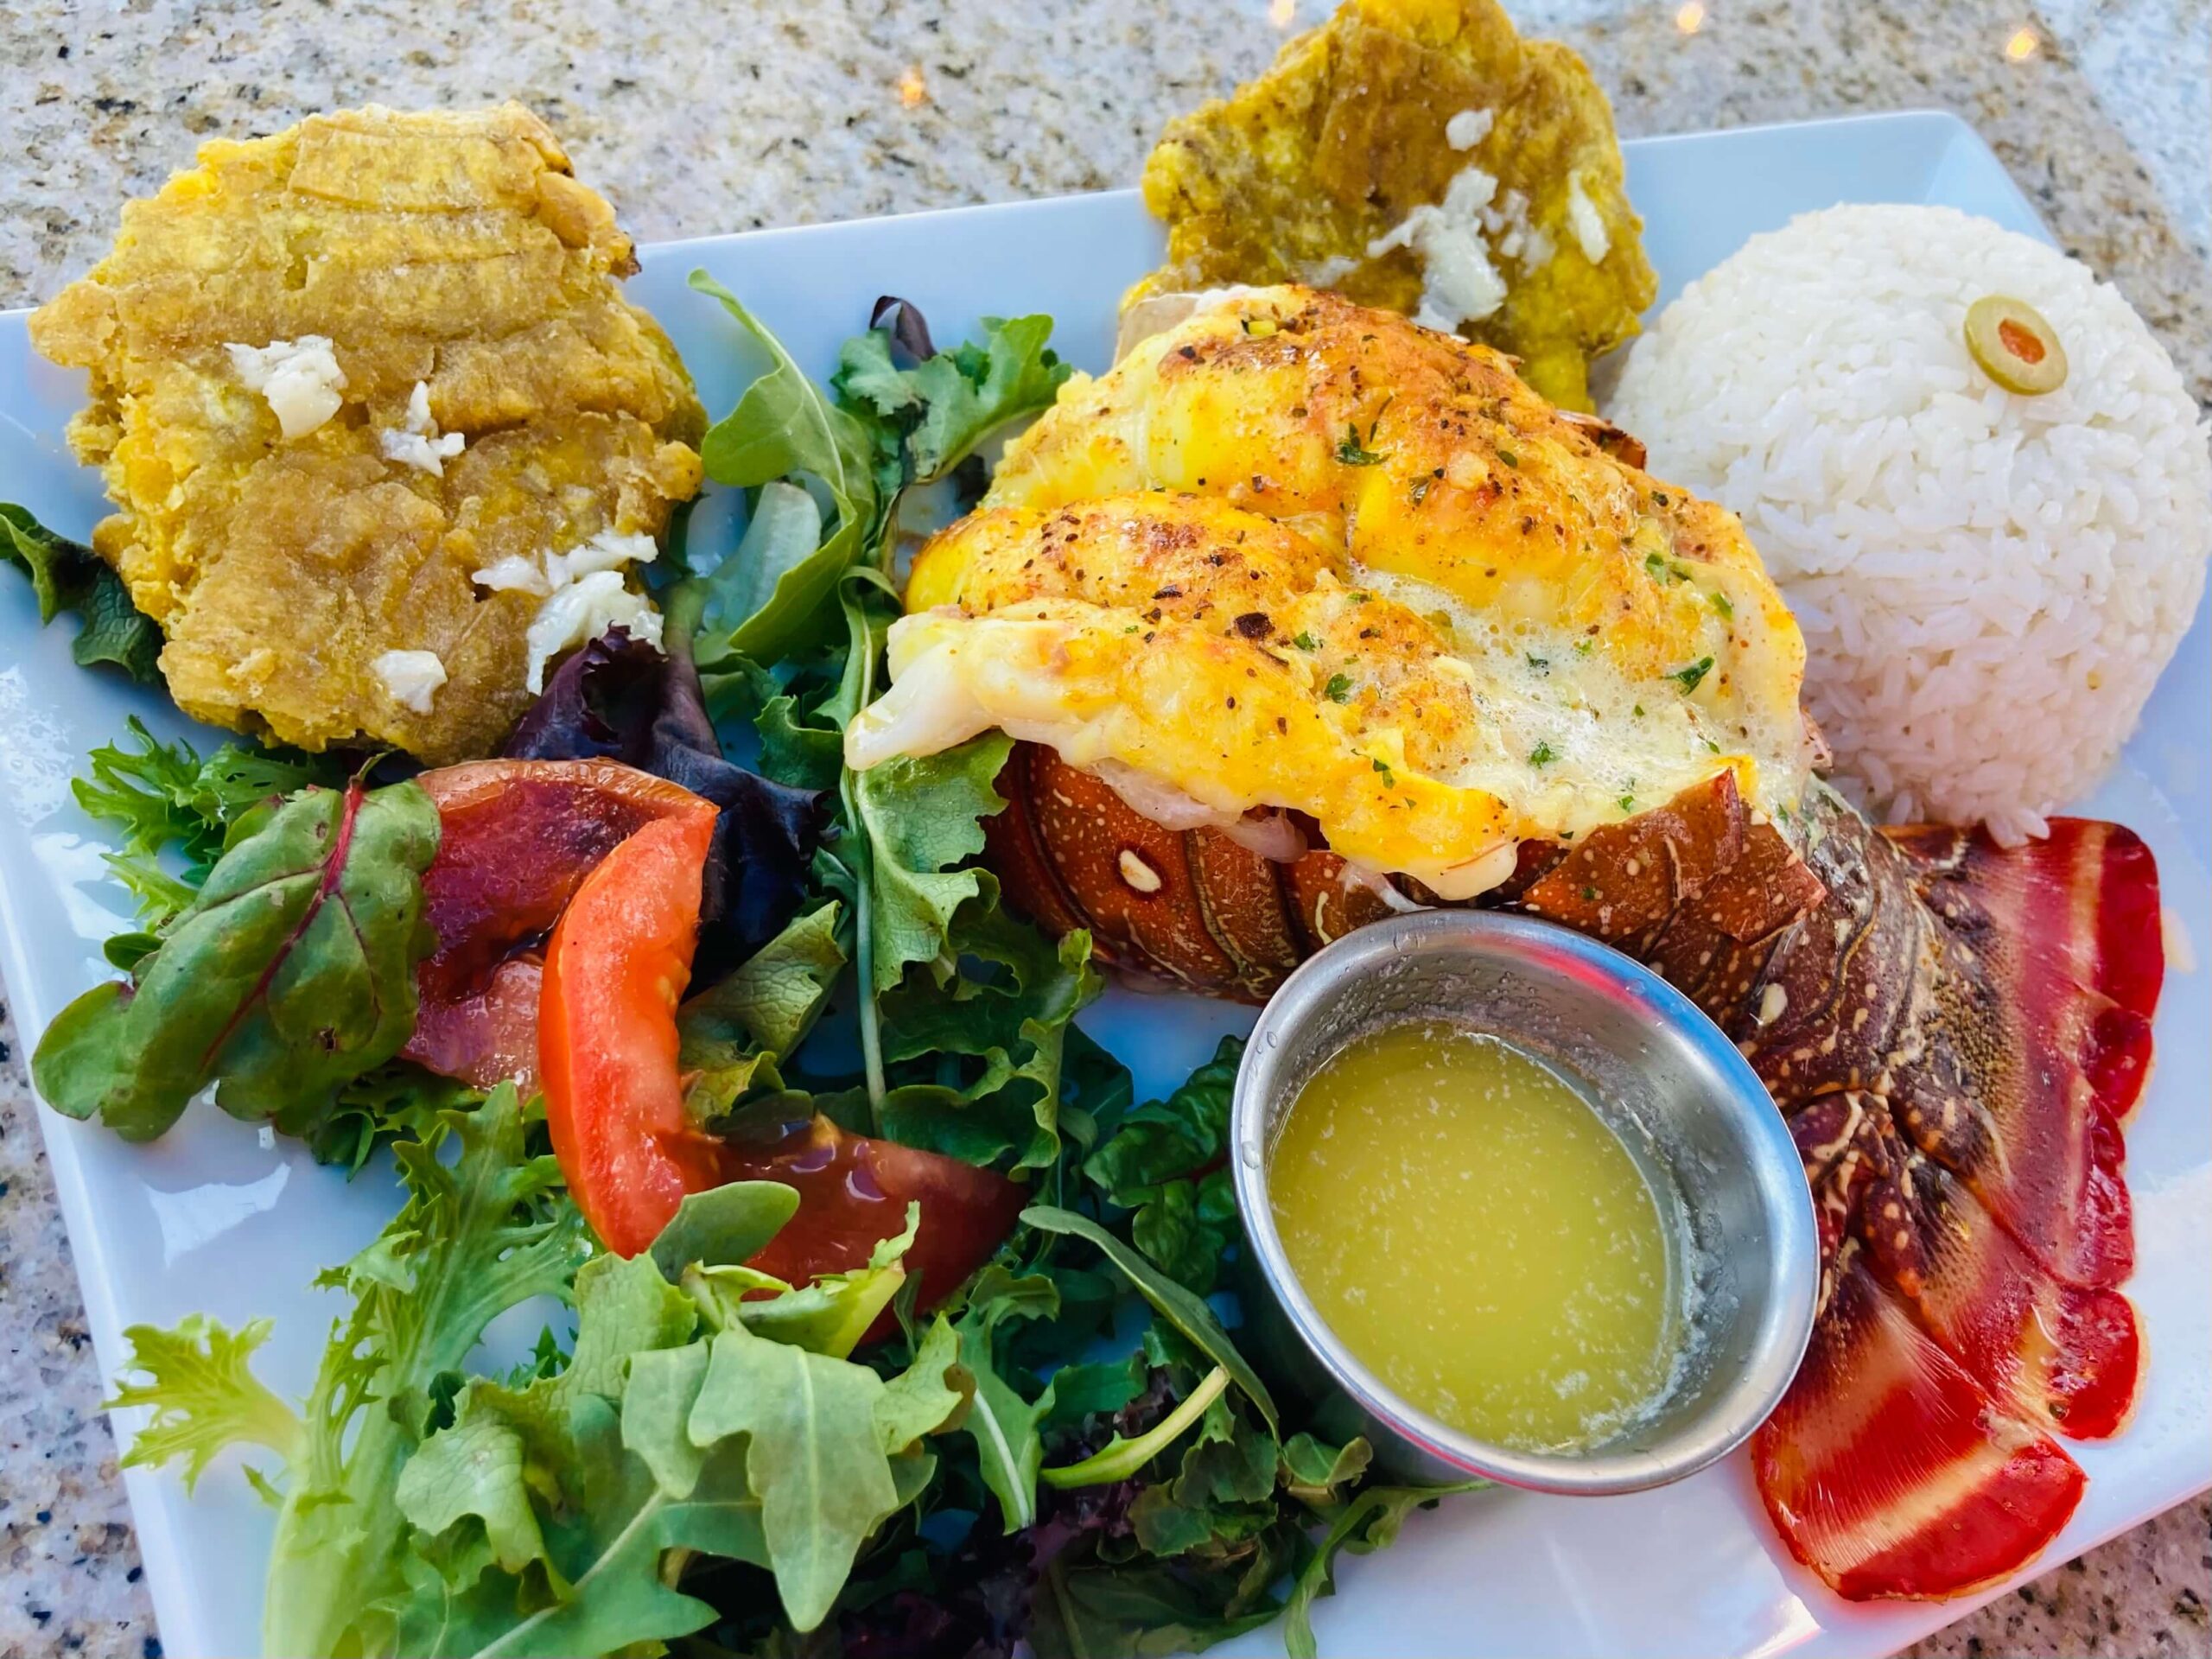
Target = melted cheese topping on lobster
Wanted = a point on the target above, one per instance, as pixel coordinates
(1295, 553)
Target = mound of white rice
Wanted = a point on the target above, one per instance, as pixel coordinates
(1989, 584)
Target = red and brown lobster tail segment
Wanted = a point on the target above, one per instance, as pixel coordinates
(1889, 1472)
(2033, 1062)
(2066, 1356)
(1958, 1031)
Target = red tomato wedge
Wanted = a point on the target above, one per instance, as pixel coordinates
(615, 969)
(854, 1190)
(517, 839)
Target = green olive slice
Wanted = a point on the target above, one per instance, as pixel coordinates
(2015, 346)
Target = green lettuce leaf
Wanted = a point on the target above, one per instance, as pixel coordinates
(66, 576)
(288, 973)
(928, 419)
(480, 1233)
(167, 802)
(923, 820)
(1165, 1161)
(203, 1396)
(1006, 1014)
(772, 999)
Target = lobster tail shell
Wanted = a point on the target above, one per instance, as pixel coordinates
(1890, 1471)
(1956, 1032)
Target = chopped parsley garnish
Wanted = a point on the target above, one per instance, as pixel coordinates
(1305, 641)
(1582, 647)
(1628, 803)
(1693, 675)
(1542, 664)
(1589, 895)
(1353, 453)
(1509, 458)
(1654, 563)
(1712, 745)
(1721, 603)
(1639, 711)
(1541, 755)
(1339, 690)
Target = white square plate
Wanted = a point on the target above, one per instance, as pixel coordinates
(209, 1220)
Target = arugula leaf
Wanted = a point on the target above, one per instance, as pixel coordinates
(1313, 1471)
(723, 1225)
(783, 425)
(656, 1437)
(828, 1317)
(1371, 1521)
(783, 533)
(1122, 1458)
(603, 1589)
(1005, 1428)
(1165, 1161)
(1184, 1312)
(1083, 1389)
(291, 973)
(69, 577)
(815, 1456)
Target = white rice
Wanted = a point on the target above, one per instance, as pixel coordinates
(1989, 584)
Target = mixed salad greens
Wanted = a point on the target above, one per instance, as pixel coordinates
(1067, 1454)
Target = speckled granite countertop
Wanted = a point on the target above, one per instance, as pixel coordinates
(786, 111)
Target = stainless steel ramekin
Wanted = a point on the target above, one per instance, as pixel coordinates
(1686, 1103)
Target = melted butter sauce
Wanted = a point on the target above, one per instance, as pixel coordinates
(1475, 1233)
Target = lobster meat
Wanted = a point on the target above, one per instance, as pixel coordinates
(1956, 1031)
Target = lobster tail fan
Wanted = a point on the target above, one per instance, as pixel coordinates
(1891, 1471)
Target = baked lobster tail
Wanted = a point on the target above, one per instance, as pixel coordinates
(1955, 1030)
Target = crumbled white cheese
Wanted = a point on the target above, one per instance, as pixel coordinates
(300, 377)
(419, 444)
(1583, 218)
(582, 592)
(608, 551)
(1458, 282)
(1469, 127)
(411, 677)
(583, 610)
(512, 574)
